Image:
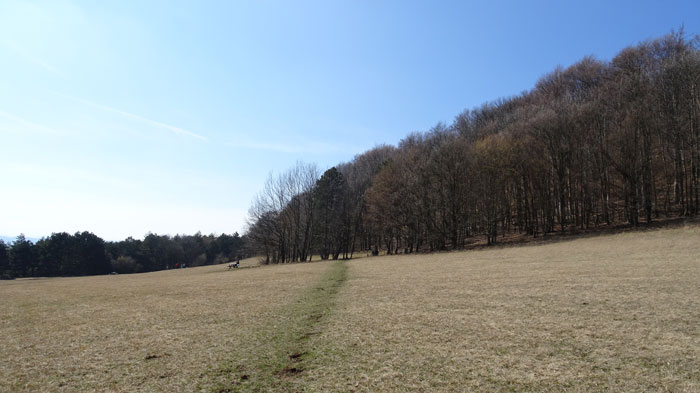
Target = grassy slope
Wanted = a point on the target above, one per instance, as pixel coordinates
(161, 331)
(617, 312)
(610, 313)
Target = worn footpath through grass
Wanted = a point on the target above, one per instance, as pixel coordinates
(283, 351)
(616, 313)
(149, 332)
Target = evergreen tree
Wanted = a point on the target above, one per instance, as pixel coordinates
(4, 261)
(22, 258)
(331, 214)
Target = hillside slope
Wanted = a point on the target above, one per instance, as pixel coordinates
(618, 312)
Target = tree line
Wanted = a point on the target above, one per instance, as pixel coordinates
(596, 144)
(84, 253)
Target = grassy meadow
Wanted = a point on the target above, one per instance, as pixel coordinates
(602, 313)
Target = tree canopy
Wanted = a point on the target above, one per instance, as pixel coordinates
(596, 144)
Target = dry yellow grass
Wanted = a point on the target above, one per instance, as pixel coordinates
(608, 313)
(158, 331)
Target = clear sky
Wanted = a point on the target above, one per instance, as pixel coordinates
(123, 117)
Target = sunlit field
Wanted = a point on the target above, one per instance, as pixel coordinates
(160, 331)
(603, 313)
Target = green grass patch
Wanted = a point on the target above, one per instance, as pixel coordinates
(281, 354)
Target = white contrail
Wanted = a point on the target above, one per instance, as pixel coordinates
(173, 129)
(28, 123)
(32, 59)
(295, 148)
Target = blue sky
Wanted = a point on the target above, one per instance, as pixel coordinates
(126, 117)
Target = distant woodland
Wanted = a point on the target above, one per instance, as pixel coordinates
(598, 144)
(83, 253)
(592, 145)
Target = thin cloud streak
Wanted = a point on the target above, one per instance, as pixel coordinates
(291, 148)
(34, 60)
(27, 123)
(154, 123)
